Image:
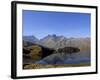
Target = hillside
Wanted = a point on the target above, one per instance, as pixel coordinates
(55, 51)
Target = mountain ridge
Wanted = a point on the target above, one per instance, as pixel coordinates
(54, 41)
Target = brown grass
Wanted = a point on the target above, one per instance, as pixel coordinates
(39, 66)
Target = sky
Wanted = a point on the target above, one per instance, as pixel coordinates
(68, 24)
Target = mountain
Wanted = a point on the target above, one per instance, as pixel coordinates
(26, 43)
(31, 39)
(82, 43)
(53, 41)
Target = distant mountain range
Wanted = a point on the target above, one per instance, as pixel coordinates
(31, 39)
(54, 41)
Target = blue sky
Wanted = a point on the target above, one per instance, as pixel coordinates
(42, 23)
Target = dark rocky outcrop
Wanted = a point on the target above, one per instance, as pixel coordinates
(47, 51)
(68, 50)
